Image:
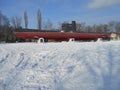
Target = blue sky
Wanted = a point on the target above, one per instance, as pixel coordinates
(88, 11)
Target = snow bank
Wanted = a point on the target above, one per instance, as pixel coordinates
(60, 66)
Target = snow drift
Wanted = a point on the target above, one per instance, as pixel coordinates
(60, 66)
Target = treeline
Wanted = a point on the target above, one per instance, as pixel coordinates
(111, 26)
(7, 26)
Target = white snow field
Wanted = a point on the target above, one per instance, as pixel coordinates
(60, 66)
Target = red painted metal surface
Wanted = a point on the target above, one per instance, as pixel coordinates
(60, 36)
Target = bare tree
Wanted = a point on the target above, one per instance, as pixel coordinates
(111, 26)
(105, 28)
(83, 27)
(78, 27)
(16, 21)
(13, 21)
(48, 25)
(88, 29)
(117, 27)
(59, 26)
(4, 20)
(0, 18)
(5, 29)
(26, 19)
(39, 19)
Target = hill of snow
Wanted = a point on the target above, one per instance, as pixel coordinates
(60, 66)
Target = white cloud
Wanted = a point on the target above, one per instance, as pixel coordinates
(103, 3)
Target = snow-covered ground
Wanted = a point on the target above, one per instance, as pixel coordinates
(60, 66)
